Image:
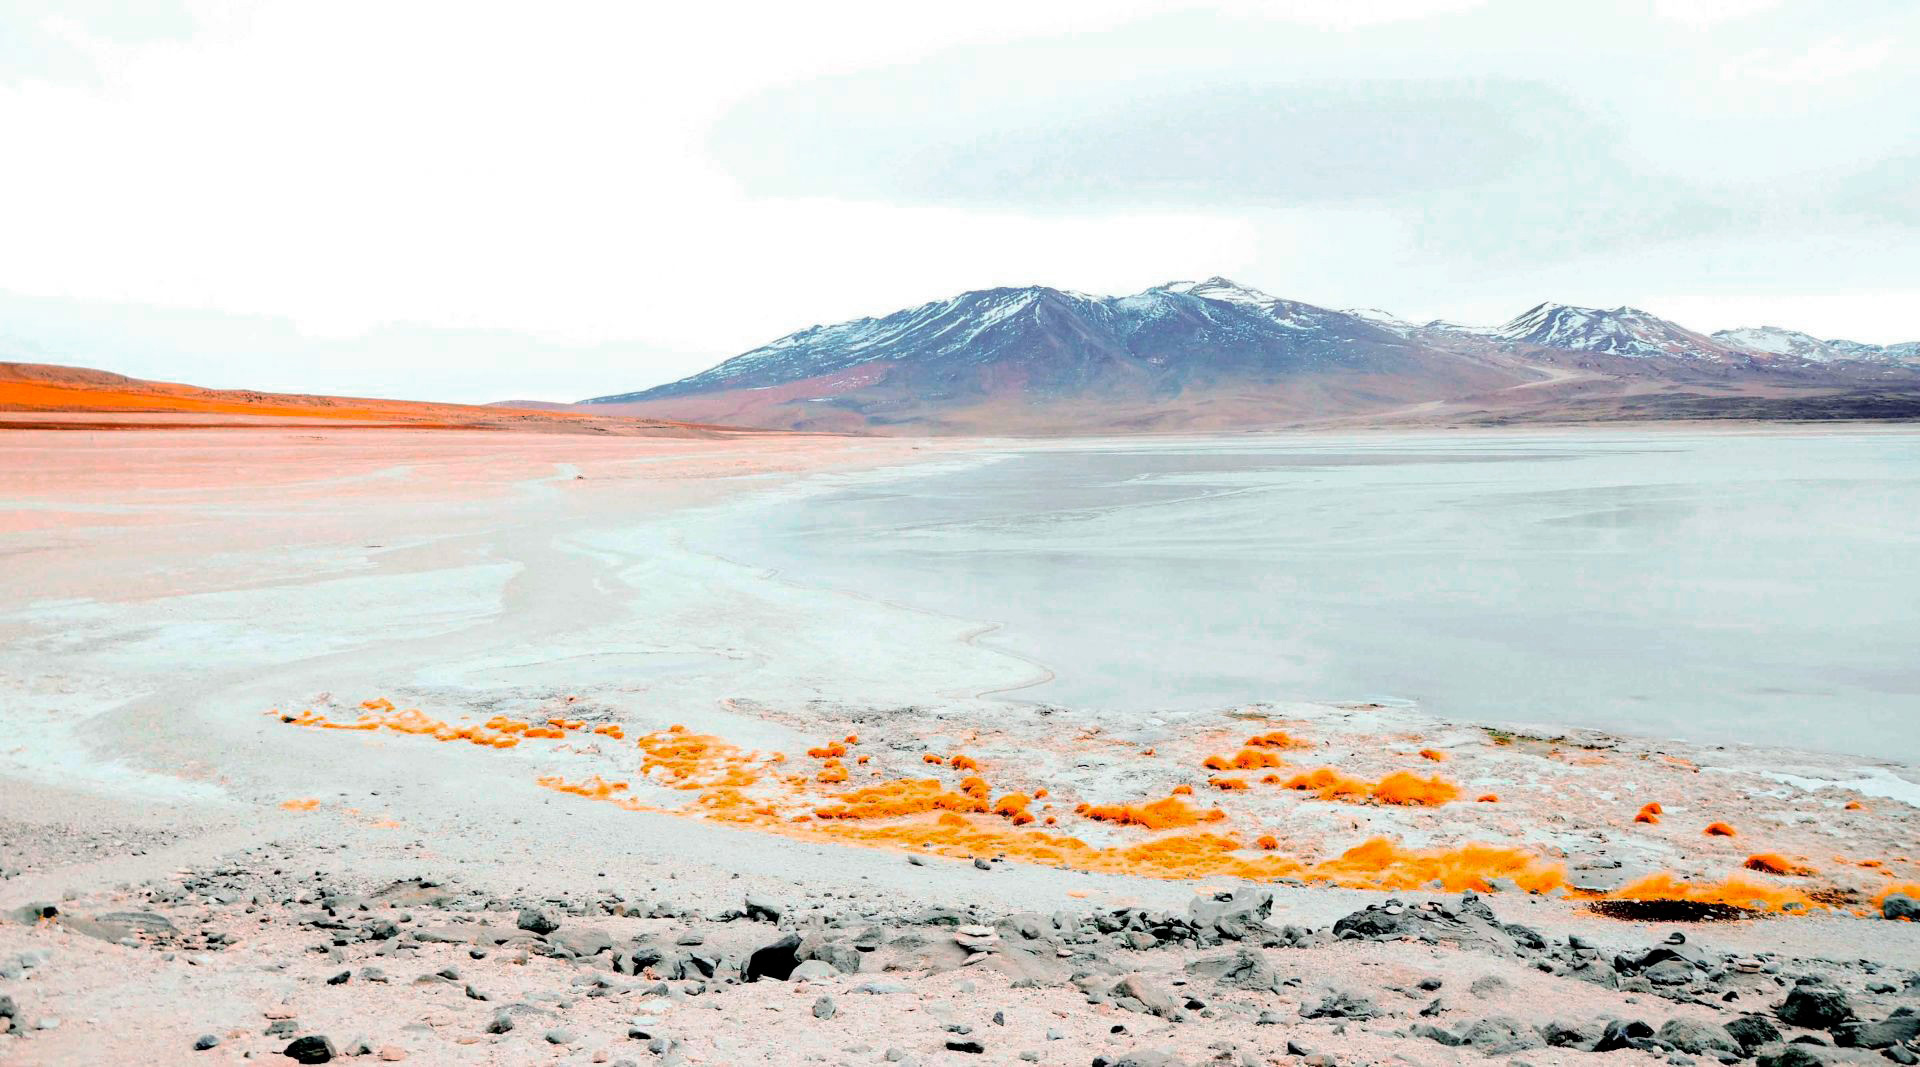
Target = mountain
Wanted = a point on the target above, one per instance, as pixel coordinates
(1621, 331)
(1215, 354)
(1037, 354)
(1774, 341)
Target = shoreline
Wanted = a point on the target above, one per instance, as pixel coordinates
(478, 577)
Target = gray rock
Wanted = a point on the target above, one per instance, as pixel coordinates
(1753, 1031)
(1237, 916)
(776, 960)
(310, 1049)
(1794, 1056)
(1624, 1033)
(1435, 1033)
(560, 1035)
(1815, 1004)
(1900, 906)
(812, 971)
(1900, 1027)
(500, 1024)
(1244, 968)
(538, 920)
(205, 1042)
(1700, 1039)
(1499, 1035)
(824, 1008)
(1341, 1004)
(1488, 986)
(577, 942)
(762, 909)
(1137, 993)
(969, 1046)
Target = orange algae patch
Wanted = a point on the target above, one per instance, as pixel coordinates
(1228, 784)
(1433, 754)
(1774, 863)
(1277, 739)
(833, 772)
(931, 758)
(1735, 892)
(1171, 813)
(1402, 787)
(1014, 807)
(303, 804)
(960, 762)
(1183, 790)
(1247, 759)
(610, 729)
(900, 797)
(1854, 805)
(1267, 842)
(593, 787)
(1381, 863)
(1329, 784)
(1719, 829)
(1652, 807)
(1487, 798)
(828, 750)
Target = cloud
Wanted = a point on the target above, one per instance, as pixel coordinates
(1219, 145)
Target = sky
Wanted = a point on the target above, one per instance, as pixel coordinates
(481, 201)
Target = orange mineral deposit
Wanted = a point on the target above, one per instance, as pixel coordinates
(1774, 863)
(1719, 829)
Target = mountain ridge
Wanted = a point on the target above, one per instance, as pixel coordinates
(1214, 353)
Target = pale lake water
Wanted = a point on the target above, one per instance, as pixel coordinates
(1762, 588)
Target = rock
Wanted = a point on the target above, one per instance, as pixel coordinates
(538, 920)
(840, 953)
(577, 942)
(1752, 1031)
(560, 1035)
(972, 1047)
(1900, 906)
(1137, 993)
(1624, 1033)
(1341, 1004)
(981, 865)
(1244, 968)
(761, 909)
(1559, 1034)
(1670, 972)
(1499, 1035)
(340, 979)
(310, 1049)
(381, 930)
(1900, 1027)
(776, 960)
(500, 1024)
(824, 1008)
(1815, 1004)
(206, 1041)
(812, 971)
(1488, 985)
(881, 987)
(1437, 1034)
(1793, 1056)
(1700, 1039)
(1237, 916)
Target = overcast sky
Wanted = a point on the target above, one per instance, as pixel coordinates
(476, 201)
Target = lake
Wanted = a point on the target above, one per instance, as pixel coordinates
(1760, 587)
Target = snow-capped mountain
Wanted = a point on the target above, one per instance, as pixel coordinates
(1621, 331)
(1217, 354)
(1774, 341)
(1056, 342)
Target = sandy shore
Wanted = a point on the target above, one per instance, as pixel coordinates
(184, 614)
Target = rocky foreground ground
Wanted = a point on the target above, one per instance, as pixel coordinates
(258, 959)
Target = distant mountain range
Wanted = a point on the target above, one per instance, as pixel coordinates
(1216, 355)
